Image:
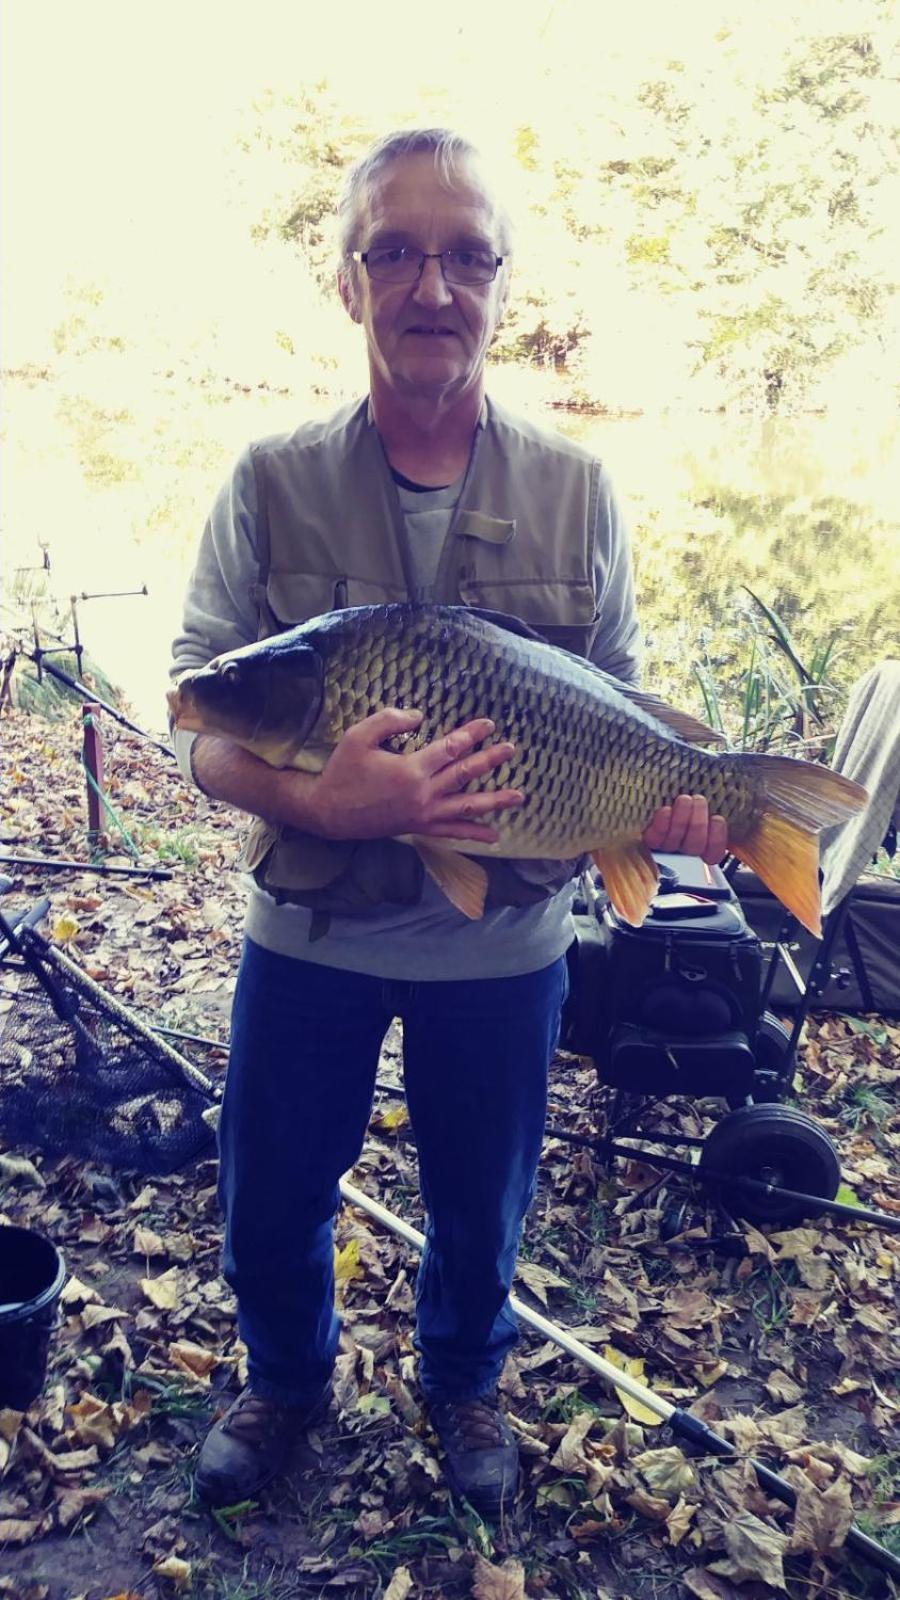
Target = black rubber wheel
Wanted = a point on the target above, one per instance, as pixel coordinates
(774, 1144)
(772, 1055)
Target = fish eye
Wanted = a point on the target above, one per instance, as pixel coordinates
(230, 671)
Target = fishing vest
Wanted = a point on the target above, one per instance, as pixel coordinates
(331, 533)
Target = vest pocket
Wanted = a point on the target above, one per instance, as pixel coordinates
(565, 614)
(298, 596)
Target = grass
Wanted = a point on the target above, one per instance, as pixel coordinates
(867, 1105)
(770, 1298)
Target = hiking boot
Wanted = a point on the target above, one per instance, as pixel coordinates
(250, 1444)
(482, 1455)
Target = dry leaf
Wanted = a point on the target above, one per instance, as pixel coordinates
(18, 1530)
(634, 1367)
(176, 1570)
(783, 1388)
(193, 1359)
(499, 1583)
(679, 1520)
(706, 1586)
(400, 1585)
(347, 1264)
(147, 1243)
(539, 1279)
(822, 1520)
(667, 1472)
(397, 1117)
(73, 1503)
(162, 1292)
(65, 928)
(755, 1551)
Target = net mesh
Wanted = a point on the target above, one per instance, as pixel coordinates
(93, 1082)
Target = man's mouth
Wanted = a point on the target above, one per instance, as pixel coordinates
(427, 330)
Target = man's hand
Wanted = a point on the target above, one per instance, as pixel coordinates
(365, 792)
(687, 828)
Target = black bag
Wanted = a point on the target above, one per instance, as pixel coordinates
(673, 1007)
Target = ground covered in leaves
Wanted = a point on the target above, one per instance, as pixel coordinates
(784, 1339)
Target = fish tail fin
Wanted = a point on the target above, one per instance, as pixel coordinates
(630, 877)
(781, 847)
(462, 880)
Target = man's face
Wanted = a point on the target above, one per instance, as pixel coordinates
(426, 338)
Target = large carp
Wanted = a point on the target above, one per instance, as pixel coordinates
(593, 757)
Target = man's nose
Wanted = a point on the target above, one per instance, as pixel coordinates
(431, 288)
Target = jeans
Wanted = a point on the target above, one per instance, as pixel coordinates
(298, 1095)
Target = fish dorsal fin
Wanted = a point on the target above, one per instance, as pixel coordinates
(630, 877)
(501, 619)
(689, 728)
(463, 881)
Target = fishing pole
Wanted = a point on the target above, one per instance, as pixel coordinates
(684, 1426)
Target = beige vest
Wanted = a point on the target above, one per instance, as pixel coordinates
(331, 533)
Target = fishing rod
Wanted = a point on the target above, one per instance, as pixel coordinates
(684, 1426)
(86, 866)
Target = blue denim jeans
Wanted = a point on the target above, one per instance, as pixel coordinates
(304, 1050)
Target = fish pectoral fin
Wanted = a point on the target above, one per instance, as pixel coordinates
(786, 858)
(630, 877)
(260, 838)
(462, 880)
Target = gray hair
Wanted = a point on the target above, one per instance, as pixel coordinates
(451, 151)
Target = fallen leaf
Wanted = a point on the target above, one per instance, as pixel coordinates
(667, 1472)
(193, 1359)
(65, 929)
(347, 1264)
(162, 1292)
(755, 1551)
(634, 1367)
(706, 1586)
(822, 1520)
(499, 1583)
(400, 1585)
(782, 1387)
(176, 1570)
(73, 1503)
(18, 1530)
(539, 1279)
(147, 1243)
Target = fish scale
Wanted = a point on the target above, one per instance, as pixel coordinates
(594, 759)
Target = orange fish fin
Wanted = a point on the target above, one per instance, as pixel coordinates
(786, 858)
(463, 881)
(630, 877)
(805, 793)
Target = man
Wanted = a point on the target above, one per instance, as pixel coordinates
(425, 491)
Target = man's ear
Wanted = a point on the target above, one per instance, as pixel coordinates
(347, 289)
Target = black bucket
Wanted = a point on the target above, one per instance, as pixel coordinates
(32, 1273)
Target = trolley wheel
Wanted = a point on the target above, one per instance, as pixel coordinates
(774, 1144)
(773, 1059)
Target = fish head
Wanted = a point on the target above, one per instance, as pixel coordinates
(263, 697)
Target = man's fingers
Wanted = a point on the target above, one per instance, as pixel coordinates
(451, 779)
(442, 752)
(381, 725)
(693, 822)
(717, 843)
(467, 807)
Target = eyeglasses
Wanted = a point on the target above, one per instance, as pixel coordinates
(400, 263)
